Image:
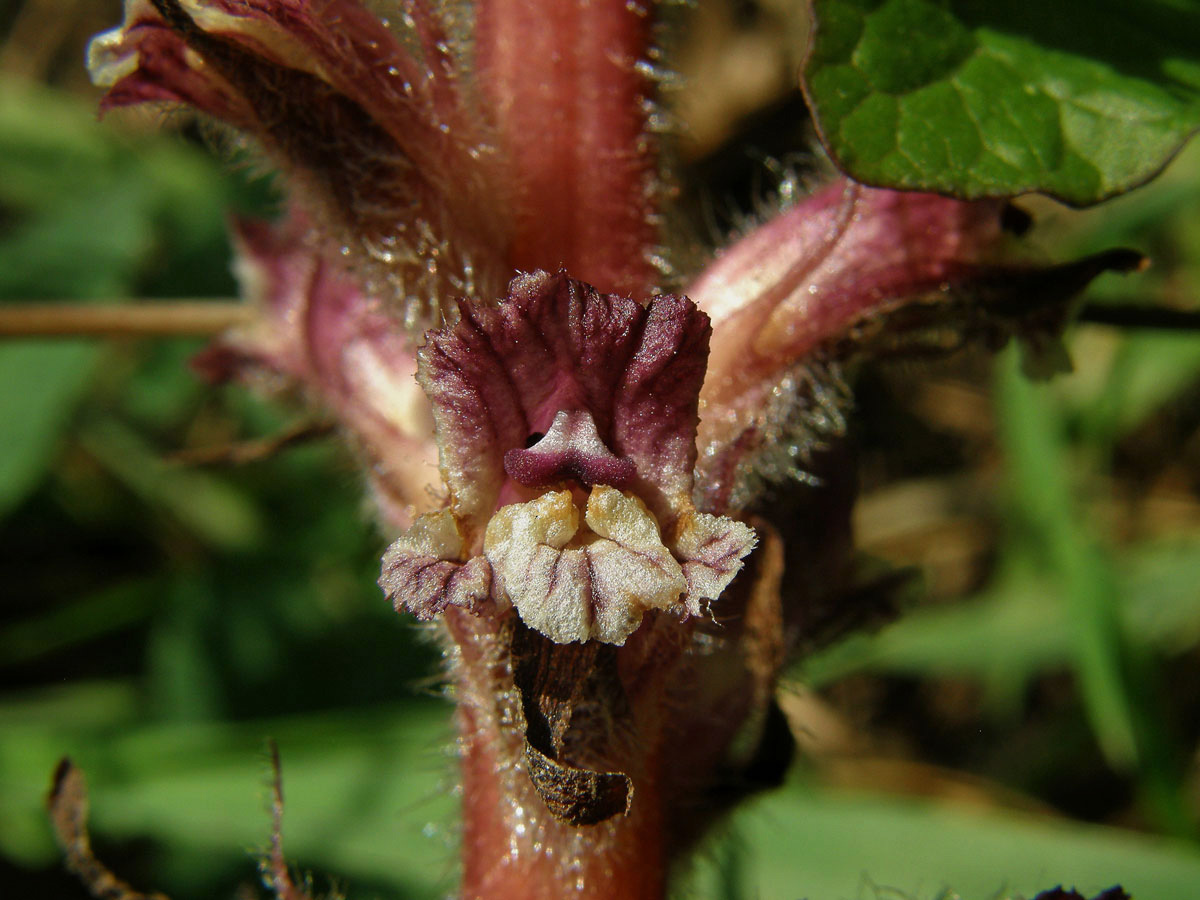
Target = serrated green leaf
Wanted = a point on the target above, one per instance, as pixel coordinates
(1079, 99)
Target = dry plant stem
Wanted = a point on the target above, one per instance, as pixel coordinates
(242, 452)
(200, 318)
(512, 847)
(68, 807)
(274, 866)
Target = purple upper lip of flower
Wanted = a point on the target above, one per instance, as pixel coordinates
(571, 449)
(613, 385)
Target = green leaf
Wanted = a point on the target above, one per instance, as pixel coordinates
(838, 845)
(40, 383)
(1080, 99)
(366, 794)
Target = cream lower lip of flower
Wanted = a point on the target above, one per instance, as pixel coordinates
(576, 583)
(592, 525)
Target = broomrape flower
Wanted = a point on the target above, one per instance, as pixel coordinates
(641, 499)
(567, 424)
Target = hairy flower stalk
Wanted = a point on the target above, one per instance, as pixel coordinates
(566, 423)
(475, 197)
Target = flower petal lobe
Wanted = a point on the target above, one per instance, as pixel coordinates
(421, 572)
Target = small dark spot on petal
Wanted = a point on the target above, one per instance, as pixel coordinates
(1015, 220)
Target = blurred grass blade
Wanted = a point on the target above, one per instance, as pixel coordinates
(1040, 481)
(184, 668)
(1115, 679)
(210, 507)
(91, 616)
(1146, 372)
(1004, 638)
(1019, 627)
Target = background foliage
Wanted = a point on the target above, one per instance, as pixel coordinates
(161, 619)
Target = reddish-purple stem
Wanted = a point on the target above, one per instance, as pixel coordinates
(570, 102)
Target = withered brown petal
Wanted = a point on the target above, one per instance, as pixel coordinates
(578, 796)
(552, 680)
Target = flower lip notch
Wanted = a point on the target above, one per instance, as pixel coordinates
(616, 386)
(572, 448)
